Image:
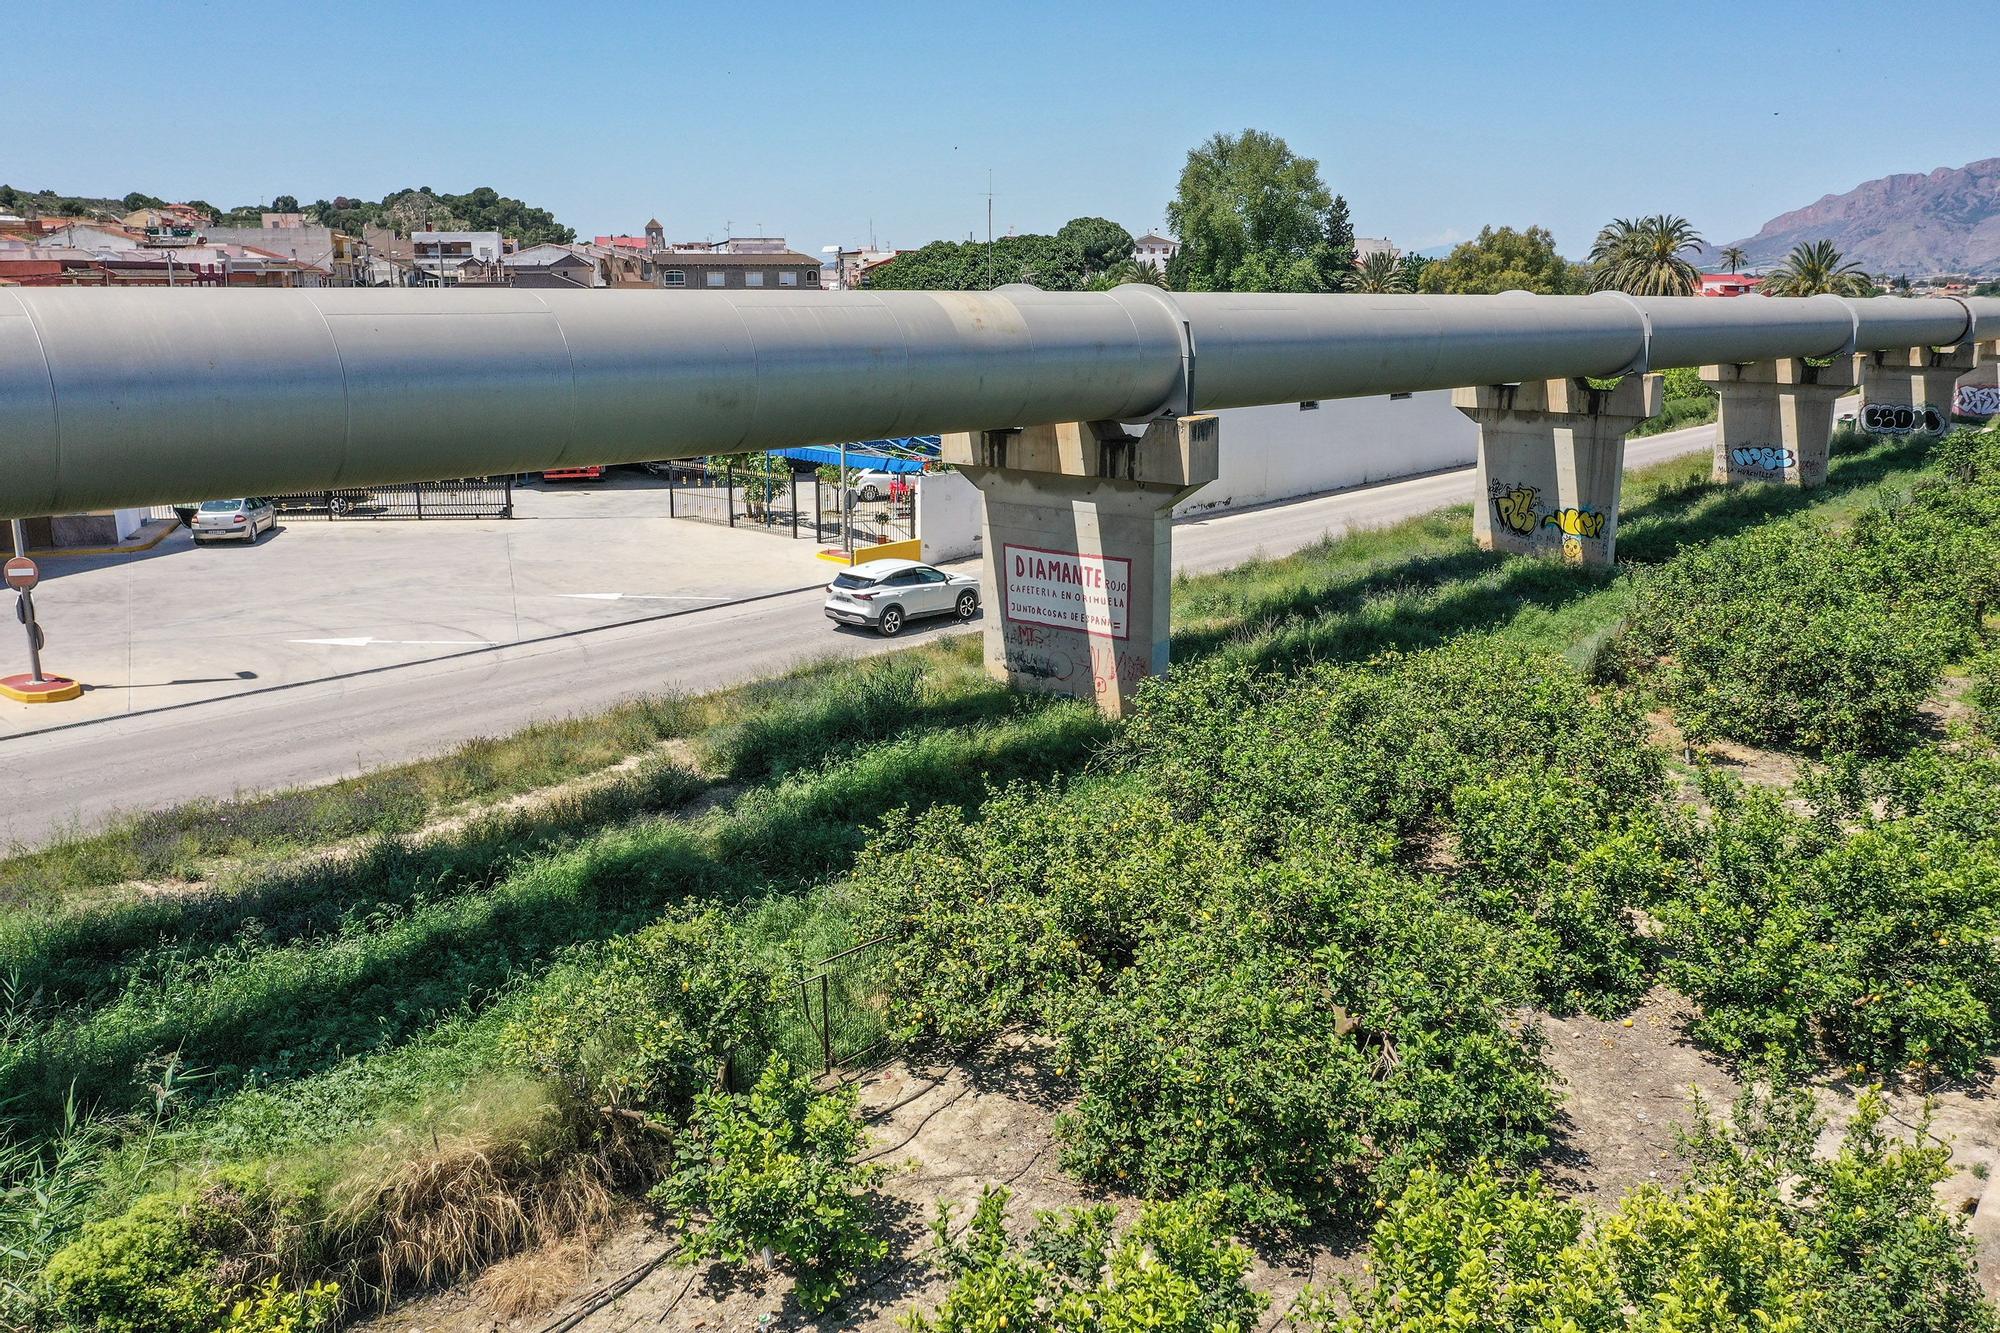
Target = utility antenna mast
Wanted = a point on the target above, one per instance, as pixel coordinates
(989, 229)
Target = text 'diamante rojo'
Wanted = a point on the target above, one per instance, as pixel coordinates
(1066, 590)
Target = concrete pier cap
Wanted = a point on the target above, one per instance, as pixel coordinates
(1552, 463)
(1774, 419)
(1079, 548)
(1909, 390)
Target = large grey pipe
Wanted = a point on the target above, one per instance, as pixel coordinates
(133, 397)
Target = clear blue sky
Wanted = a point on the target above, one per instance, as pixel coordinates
(812, 120)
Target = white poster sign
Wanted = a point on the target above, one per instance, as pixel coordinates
(1066, 590)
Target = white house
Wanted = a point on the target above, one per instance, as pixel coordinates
(1154, 251)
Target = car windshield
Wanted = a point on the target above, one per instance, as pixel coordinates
(852, 581)
(213, 506)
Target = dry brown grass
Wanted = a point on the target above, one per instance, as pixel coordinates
(534, 1281)
(432, 1207)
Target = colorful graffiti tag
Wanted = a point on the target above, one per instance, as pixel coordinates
(1514, 506)
(1976, 400)
(1765, 458)
(1575, 522)
(1900, 419)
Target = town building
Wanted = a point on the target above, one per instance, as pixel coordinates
(288, 234)
(553, 267)
(439, 255)
(779, 270)
(1154, 250)
(1728, 284)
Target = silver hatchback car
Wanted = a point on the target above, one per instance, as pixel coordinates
(233, 520)
(885, 595)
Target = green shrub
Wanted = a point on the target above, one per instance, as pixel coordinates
(1281, 1029)
(177, 1262)
(773, 1172)
(1294, 1078)
(1567, 883)
(1763, 1235)
(1883, 1254)
(1376, 751)
(645, 1020)
(1174, 1271)
(1472, 1252)
(1875, 944)
(277, 1309)
(1801, 635)
(1984, 693)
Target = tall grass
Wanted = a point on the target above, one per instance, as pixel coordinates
(181, 843)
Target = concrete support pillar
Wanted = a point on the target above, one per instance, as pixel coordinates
(1977, 396)
(1552, 464)
(1078, 540)
(1908, 390)
(1774, 419)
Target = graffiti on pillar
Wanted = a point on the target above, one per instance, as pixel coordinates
(1116, 669)
(1900, 419)
(1514, 506)
(1763, 460)
(1575, 522)
(1031, 651)
(1576, 527)
(1976, 400)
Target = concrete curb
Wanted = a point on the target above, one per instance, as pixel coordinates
(167, 529)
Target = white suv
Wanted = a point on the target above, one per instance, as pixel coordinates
(885, 595)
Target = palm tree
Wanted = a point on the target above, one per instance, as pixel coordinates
(1380, 272)
(1734, 254)
(1815, 269)
(1642, 256)
(1128, 271)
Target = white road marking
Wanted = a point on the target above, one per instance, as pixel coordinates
(365, 641)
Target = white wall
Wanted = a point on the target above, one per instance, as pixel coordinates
(1280, 452)
(949, 515)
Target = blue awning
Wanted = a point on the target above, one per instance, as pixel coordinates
(909, 454)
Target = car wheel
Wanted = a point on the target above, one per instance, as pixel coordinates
(891, 623)
(869, 493)
(968, 605)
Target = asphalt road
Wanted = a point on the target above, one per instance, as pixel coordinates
(334, 726)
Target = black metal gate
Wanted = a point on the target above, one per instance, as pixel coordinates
(475, 497)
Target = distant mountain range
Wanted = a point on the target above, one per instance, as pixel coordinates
(1945, 222)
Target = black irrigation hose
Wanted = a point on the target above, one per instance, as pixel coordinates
(904, 1142)
(612, 1290)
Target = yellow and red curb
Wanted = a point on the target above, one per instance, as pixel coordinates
(48, 690)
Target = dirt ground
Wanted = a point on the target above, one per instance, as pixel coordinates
(948, 1130)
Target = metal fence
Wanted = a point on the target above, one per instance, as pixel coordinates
(841, 1021)
(472, 498)
(796, 506)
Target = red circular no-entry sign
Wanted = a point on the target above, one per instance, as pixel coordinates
(22, 573)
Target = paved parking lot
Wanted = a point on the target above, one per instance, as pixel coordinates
(316, 598)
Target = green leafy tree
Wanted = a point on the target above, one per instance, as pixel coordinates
(1733, 256)
(1644, 256)
(1504, 260)
(1380, 272)
(1101, 243)
(1412, 271)
(1175, 1271)
(1085, 253)
(1814, 269)
(1253, 216)
(773, 1172)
